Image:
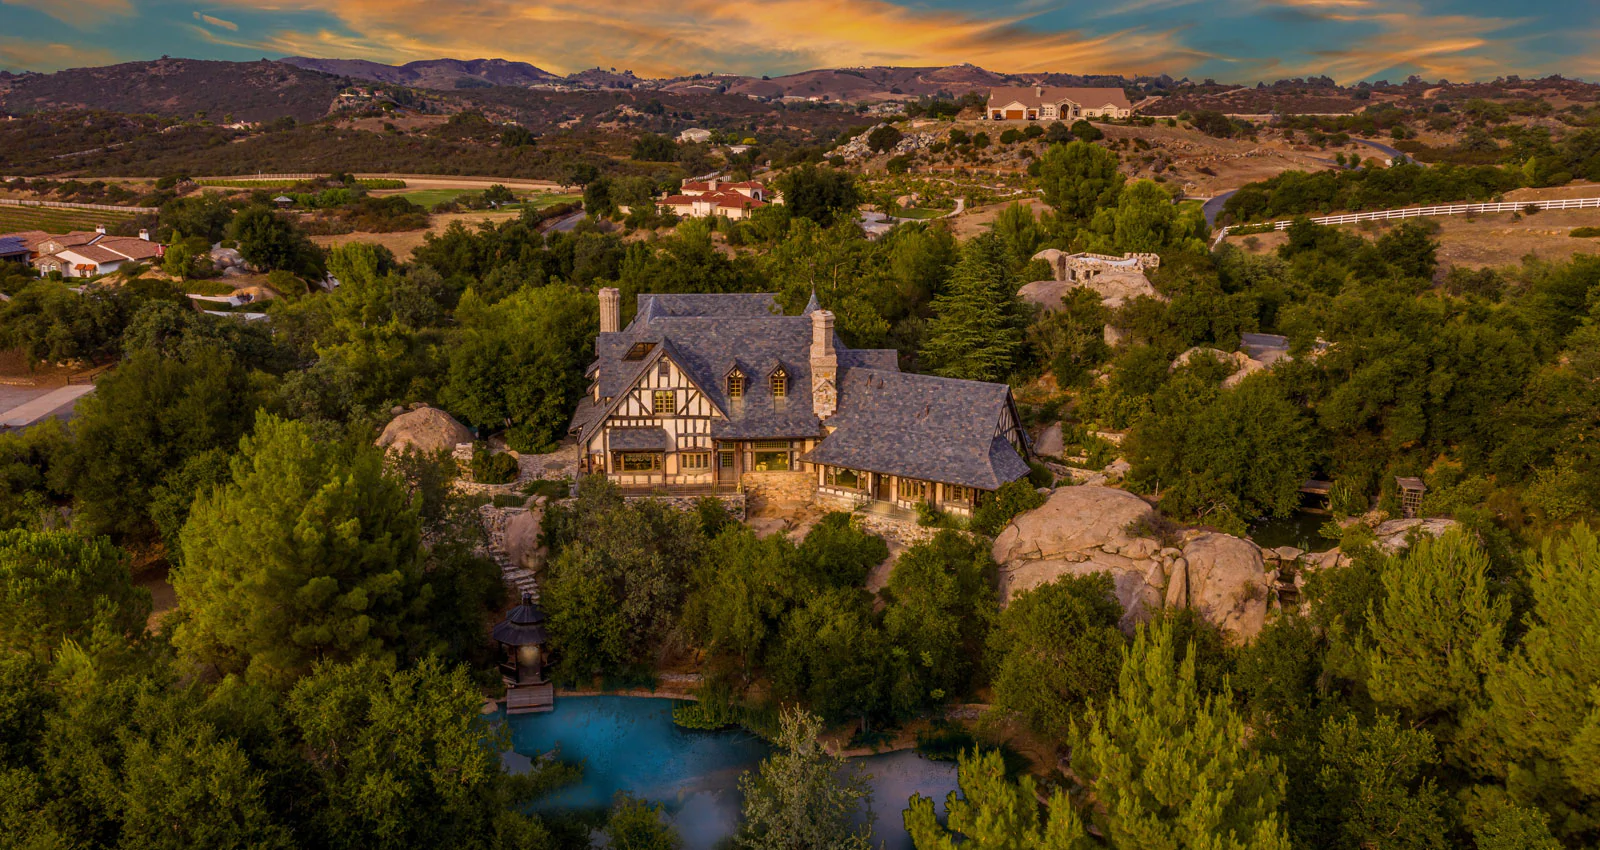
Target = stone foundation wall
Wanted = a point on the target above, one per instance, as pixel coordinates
(734, 502)
(780, 486)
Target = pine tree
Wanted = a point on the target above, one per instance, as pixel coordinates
(1169, 769)
(977, 328)
(1437, 631)
(1539, 730)
(803, 798)
(993, 813)
(311, 553)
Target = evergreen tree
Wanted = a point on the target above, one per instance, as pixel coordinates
(977, 328)
(311, 553)
(1169, 769)
(993, 813)
(802, 798)
(1539, 730)
(1437, 631)
(1079, 178)
(58, 585)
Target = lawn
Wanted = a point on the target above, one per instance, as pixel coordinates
(921, 213)
(55, 219)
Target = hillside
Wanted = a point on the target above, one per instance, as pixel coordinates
(431, 73)
(248, 91)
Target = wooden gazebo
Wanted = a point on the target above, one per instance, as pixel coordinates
(522, 638)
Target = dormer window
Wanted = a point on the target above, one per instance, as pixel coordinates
(639, 351)
(780, 383)
(736, 384)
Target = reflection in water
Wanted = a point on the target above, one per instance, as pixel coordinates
(628, 744)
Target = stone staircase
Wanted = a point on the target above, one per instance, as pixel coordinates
(517, 577)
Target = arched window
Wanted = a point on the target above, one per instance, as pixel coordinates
(736, 384)
(780, 383)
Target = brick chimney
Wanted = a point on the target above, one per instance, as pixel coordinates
(610, 310)
(824, 365)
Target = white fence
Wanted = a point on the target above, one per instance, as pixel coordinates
(13, 202)
(1419, 212)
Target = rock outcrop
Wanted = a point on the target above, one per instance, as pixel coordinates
(426, 429)
(1089, 529)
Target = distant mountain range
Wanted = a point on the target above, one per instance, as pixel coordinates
(430, 73)
(854, 84)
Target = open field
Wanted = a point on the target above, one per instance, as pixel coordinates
(55, 219)
(426, 198)
(1482, 241)
(271, 183)
(403, 243)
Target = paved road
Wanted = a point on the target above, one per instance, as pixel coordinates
(1213, 207)
(1393, 153)
(565, 225)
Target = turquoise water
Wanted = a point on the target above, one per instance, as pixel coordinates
(630, 744)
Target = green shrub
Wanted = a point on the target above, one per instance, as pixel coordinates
(1005, 503)
(1585, 232)
(491, 468)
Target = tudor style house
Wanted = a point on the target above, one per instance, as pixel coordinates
(700, 391)
(1054, 103)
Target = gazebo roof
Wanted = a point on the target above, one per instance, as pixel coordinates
(524, 626)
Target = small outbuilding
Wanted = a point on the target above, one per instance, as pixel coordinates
(522, 638)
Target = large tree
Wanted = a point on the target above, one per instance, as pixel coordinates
(993, 813)
(977, 327)
(310, 553)
(518, 364)
(1169, 768)
(823, 195)
(1055, 648)
(59, 585)
(941, 605)
(1539, 729)
(1079, 178)
(143, 422)
(1438, 630)
(803, 798)
(404, 759)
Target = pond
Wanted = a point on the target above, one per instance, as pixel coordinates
(631, 744)
(1301, 529)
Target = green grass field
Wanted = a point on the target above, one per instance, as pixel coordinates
(921, 213)
(55, 220)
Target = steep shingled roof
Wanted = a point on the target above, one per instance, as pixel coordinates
(923, 426)
(939, 429)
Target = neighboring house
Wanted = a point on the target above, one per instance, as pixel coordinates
(1054, 103)
(694, 135)
(699, 392)
(83, 253)
(698, 199)
(14, 250)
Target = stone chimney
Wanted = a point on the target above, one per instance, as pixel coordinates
(610, 310)
(824, 365)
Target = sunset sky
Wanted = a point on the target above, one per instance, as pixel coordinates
(1230, 40)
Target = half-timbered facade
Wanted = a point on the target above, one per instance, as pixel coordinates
(700, 390)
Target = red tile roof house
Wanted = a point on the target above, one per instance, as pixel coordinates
(1054, 103)
(83, 253)
(698, 199)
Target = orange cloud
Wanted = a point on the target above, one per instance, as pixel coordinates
(34, 55)
(216, 22)
(1449, 46)
(668, 37)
